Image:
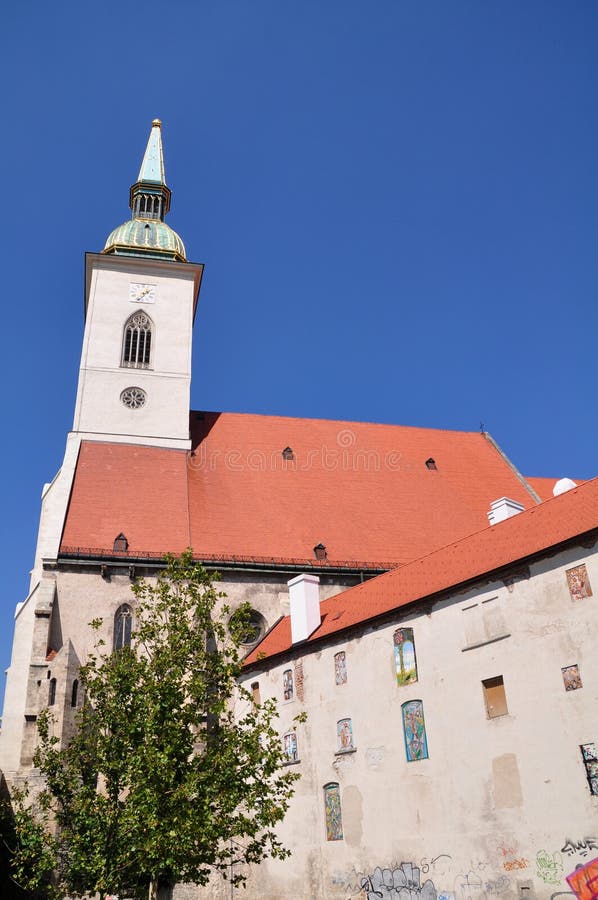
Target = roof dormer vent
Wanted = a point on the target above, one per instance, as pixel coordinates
(287, 453)
(563, 485)
(121, 544)
(503, 509)
(431, 464)
(320, 551)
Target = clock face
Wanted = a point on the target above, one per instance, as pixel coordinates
(142, 293)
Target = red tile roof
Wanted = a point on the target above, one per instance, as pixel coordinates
(363, 490)
(529, 533)
(543, 486)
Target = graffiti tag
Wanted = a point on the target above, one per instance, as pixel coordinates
(584, 880)
(582, 847)
(512, 864)
(549, 868)
(404, 880)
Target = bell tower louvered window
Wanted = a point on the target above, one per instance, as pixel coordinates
(137, 343)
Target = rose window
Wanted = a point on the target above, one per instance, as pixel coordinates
(133, 397)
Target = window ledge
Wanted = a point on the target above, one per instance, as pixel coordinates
(344, 752)
(493, 640)
(291, 762)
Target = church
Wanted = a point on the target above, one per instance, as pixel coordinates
(427, 604)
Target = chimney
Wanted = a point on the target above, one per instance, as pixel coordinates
(304, 592)
(503, 509)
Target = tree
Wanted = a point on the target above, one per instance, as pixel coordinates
(173, 771)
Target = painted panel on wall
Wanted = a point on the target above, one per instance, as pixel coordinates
(287, 684)
(571, 678)
(579, 583)
(290, 746)
(340, 668)
(405, 656)
(344, 730)
(414, 730)
(332, 807)
(590, 758)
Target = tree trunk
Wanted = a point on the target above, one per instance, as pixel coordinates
(153, 890)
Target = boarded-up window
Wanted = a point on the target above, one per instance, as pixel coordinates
(483, 622)
(495, 697)
(579, 583)
(405, 662)
(414, 730)
(255, 693)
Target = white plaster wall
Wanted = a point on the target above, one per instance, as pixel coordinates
(493, 794)
(99, 409)
(15, 692)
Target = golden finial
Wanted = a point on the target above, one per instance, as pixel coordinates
(157, 122)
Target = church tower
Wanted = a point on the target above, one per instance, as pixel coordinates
(140, 300)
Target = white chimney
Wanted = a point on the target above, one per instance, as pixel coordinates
(503, 509)
(563, 485)
(304, 592)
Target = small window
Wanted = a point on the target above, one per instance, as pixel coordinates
(122, 627)
(414, 730)
(344, 732)
(255, 693)
(137, 341)
(289, 744)
(571, 678)
(431, 464)
(495, 697)
(589, 755)
(405, 661)
(288, 688)
(340, 668)
(52, 692)
(74, 693)
(332, 810)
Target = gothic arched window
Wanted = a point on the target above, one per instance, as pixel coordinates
(122, 627)
(75, 692)
(137, 343)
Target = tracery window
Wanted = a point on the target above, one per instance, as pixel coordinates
(137, 343)
(122, 627)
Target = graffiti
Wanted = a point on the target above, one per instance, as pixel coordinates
(507, 848)
(549, 868)
(584, 880)
(590, 761)
(511, 864)
(403, 881)
(499, 886)
(469, 887)
(425, 865)
(582, 847)
(562, 894)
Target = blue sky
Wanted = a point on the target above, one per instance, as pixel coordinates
(396, 203)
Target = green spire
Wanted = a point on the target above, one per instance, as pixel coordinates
(146, 233)
(152, 167)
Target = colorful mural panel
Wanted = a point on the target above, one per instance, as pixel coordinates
(414, 730)
(289, 742)
(340, 668)
(405, 661)
(287, 684)
(332, 808)
(579, 583)
(344, 730)
(571, 678)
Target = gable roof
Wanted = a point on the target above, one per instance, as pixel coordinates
(363, 490)
(527, 534)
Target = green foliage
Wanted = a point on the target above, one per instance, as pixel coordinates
(173, 772)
